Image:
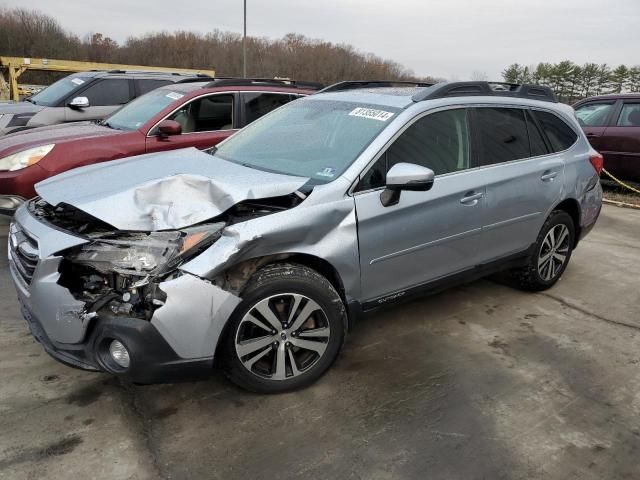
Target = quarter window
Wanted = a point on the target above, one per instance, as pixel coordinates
(594, 114)
(538, 147)
(561, 136)
(258, 104)
(206, 114)
(630, 115)
(439, 141)
(502, 135)
(111, 91)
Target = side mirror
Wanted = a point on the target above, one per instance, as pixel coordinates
(406, 176)
(167, 128)
(79, 103)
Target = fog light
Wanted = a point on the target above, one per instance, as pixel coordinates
(119, 354)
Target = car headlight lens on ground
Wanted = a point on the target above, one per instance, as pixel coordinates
(119, 354)
(142, 254)
(25, 158)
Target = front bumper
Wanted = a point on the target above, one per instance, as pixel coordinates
(152, 358)
(179, 340)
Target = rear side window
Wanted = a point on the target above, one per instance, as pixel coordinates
(501, 134)
(111, 91)
(630, 115)
(560, 135)
(258, 104)
(145, 85)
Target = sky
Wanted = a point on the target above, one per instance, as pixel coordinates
(452, 39)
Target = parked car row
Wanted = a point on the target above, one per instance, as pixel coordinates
(612, 125)
(181, 114)
(259, 254)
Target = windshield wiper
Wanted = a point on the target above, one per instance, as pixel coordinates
(30, 100)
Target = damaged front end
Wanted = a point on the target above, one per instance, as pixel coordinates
(101, 292)
(121, 271)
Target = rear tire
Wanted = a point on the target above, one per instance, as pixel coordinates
(286, 332)
(551, 254)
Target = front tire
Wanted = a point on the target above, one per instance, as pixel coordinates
(286, 332)
(551, 254)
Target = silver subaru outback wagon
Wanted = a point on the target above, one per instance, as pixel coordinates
(259, 255)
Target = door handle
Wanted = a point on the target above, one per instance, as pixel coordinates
(471, 198)
(548, 175)
(591, 135)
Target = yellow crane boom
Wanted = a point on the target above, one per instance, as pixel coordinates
(12, 67)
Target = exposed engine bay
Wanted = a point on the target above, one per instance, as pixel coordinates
(120, 271)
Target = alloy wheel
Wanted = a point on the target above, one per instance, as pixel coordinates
(282, 336)
(553, 252)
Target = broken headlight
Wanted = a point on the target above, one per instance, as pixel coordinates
(143, 254)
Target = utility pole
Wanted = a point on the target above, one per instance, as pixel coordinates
(244, 43)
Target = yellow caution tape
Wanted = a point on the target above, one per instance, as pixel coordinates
(621, 182)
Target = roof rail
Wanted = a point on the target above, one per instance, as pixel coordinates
(195, 78)
(354, 84)
(154, 72)
(482, 89)
(274, 82)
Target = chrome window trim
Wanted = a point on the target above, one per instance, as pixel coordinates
(422, 114)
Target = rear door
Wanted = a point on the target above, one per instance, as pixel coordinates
(622, 143)
(594, 117)
(205, 121)
(427, 235)
(105, 96)
(523, 180)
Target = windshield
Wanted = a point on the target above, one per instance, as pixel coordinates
(54, 93)
(138, 112)
(318, 139)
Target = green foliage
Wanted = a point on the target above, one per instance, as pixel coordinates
(571, 82)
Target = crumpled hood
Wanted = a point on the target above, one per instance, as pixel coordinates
(161, 191)
(19, 107)
(54, 134)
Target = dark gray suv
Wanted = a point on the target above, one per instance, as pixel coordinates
(84, 96)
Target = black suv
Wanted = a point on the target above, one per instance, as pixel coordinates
(84, 96)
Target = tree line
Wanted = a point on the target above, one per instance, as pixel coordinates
(571, 82)
(29, 33)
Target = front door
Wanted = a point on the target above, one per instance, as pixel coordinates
(105, 97)
(427, 235)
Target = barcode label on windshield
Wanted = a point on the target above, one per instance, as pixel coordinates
(371, 113)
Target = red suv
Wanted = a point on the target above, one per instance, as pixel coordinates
(199, 115)
(612, 125)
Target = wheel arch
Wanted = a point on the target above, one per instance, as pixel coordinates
(571, 207)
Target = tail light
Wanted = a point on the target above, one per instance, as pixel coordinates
(598, 162)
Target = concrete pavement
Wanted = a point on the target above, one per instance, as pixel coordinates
(481, 381)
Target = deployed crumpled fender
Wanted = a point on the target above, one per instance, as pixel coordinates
(318, 227)
(161, 191)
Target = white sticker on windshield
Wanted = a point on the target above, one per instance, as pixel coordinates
(371, 113)
(174, 95)
(77, 81)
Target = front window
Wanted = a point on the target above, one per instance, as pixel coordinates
(54, 93)
(135, 114)
(318, 139)
(594, 114)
